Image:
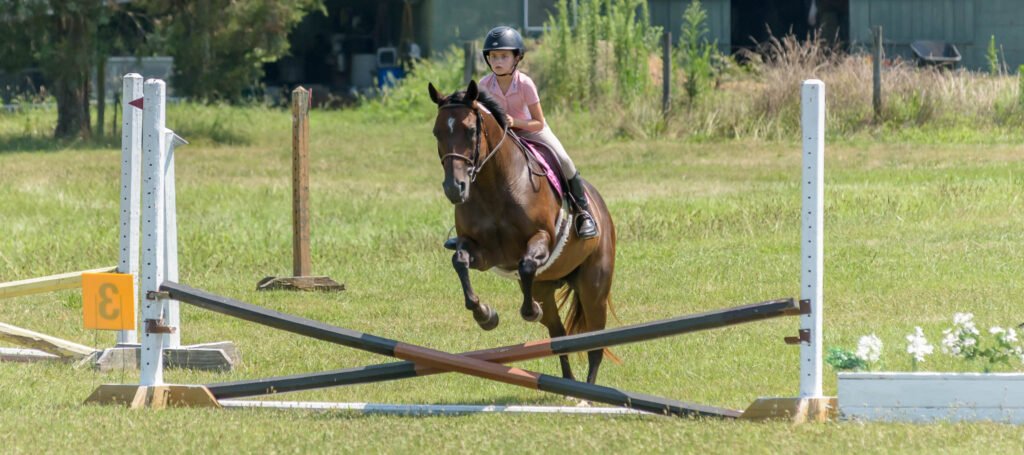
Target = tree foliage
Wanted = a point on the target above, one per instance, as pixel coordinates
(220, 46)
(59, 38)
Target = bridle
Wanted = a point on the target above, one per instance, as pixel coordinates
(474, 167)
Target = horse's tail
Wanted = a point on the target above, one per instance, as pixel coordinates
(575, 322)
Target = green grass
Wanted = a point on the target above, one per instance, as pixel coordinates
(914, 233)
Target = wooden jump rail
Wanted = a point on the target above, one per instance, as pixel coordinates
(43, 346)
(70, 280)
(526, 351)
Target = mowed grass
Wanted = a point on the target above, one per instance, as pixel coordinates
(913, 234)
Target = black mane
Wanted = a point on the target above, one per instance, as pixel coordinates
(484, 99)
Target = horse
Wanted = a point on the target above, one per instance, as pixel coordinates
(507, 221)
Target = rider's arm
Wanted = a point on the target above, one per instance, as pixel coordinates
(532, 125)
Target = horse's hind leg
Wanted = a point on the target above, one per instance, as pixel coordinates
(484, 315)
(545, 293)
(592, 283)
(536, 254)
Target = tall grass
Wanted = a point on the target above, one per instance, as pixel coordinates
(596, 52)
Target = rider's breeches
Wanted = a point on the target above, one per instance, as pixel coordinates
(548, 138)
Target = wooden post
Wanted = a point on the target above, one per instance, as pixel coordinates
(101, 93)
(302, 269)
(469, 67)
(876, 98)
(666, 74)
(300, 182)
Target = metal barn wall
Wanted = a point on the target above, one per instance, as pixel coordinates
(450, 22)
(668, 14)
(968, 24)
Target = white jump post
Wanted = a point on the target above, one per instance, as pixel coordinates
(810, 405)
(153, 243)
(812, 100)
(131, 155)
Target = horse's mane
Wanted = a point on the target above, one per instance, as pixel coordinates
(484, 99)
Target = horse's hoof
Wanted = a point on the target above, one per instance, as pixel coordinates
(490, 321)
(537, 313)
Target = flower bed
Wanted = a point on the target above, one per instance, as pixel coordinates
(935, 396)
(928, 396)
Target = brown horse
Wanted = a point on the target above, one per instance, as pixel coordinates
(507, 218)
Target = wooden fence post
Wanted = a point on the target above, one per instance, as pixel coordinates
(876, 98)
(302, 269)
(666, 74)
(469, 67)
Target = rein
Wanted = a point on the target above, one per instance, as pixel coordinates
(474, 168)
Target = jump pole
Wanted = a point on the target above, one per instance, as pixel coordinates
(811, 404)
(200, 395)
(526, 351)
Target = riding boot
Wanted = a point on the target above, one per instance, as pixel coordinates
(586, 228)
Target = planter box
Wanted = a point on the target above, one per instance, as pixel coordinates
(928, 397)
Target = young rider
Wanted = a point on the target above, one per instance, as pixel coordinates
(516, 92)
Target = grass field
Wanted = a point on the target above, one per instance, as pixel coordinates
(914, 233)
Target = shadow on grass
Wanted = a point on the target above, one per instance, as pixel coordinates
(15, 144)
(31, 143)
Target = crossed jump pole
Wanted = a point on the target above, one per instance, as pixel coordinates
(487, 364)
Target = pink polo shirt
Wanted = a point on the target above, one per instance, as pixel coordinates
(521, 93)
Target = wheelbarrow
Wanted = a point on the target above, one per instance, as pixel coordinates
(935, 53)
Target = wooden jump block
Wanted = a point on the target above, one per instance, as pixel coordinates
(299, 283)
(153, 397)
(796, 410)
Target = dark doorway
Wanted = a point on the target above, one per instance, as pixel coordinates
(754, 21)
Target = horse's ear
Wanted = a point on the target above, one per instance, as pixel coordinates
(436, 97)
(471, 91)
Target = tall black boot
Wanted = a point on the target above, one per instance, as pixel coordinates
(586, 228)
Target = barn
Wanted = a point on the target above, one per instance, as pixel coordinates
(360, 40)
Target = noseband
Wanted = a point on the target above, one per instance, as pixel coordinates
(474, 168)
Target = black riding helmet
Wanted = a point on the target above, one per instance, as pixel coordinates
(503, 38)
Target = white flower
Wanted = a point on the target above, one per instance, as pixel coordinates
(996, 330)
(1011, 336)
(965, 322)
(869, 349)
(950, 343)
(918, 346)
(963, 319)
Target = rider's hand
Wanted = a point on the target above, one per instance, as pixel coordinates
(511, 121)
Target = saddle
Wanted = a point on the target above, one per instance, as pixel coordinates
(549, 162)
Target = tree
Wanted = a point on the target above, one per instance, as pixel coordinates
(220, 46)
(58, 37)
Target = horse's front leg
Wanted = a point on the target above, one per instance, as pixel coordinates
(465, 255)
(536, 253)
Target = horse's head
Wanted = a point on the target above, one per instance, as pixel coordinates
(457, 129)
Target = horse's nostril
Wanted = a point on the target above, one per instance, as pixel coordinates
(462, 187)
